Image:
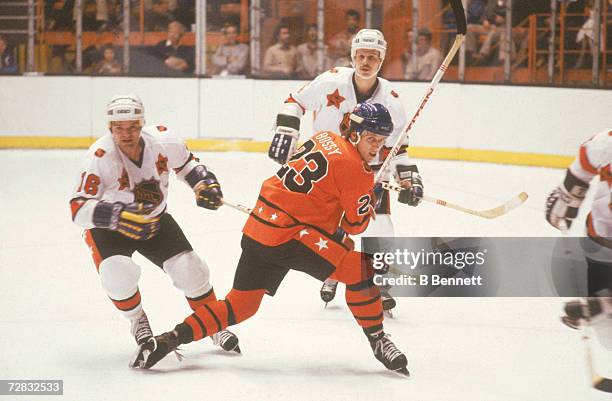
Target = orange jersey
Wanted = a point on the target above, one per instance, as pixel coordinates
(324, 185)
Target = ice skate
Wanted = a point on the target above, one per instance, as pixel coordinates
(154, 350)
(328, 290)
(388, 354)
(140, 328)
(388, 303)
(226, 340)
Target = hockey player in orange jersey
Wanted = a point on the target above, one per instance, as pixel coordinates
(300, 222)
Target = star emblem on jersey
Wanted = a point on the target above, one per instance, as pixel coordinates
(304, 232)
(335, 99)
(321, 244)
(161, 164)
(274, 216)
(124, 181)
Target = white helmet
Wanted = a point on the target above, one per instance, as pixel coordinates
(125, 108)
(369, 39)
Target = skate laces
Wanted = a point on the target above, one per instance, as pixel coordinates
(387, 349)
(141, 328)
(329, 286)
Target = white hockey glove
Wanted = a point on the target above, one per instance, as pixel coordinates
(563, 202)
(283, 144)
(410, 180)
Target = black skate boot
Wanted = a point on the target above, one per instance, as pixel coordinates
(388, 303)
(226, 340)
(140, 329)
(387, 353)
(328, 290)
(154, 350)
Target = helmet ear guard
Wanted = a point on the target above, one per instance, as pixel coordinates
(373, 117)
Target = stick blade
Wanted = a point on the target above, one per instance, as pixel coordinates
(603, 384)
(459, 16)
(505, 208)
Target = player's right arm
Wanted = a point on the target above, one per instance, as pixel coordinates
(357, 197)
(287, 128)
(88, 191)
(564, 201)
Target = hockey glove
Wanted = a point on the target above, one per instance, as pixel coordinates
(128, 220)
(208, 192)
(410, 180)
(283, 144)
(563, 202)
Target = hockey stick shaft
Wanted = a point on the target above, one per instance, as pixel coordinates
(237, 206)
(487, 214)
(461, 30)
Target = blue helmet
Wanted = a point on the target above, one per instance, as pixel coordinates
(373, 117)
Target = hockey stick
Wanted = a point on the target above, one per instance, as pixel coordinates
(461, 30)
(487, 214)
(598, 382)
(237, 206)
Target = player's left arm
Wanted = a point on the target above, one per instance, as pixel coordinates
(188, 169)
(404, 170)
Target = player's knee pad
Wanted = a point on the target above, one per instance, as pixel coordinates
(382, 226)
(244, 303)
(189, 273)
(119, 276)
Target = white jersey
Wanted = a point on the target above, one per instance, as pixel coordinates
(109, 175)
(331, 96)
(595, 159)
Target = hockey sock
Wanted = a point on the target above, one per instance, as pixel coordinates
(130, 306)
(215, 316)
(203, 299)
(365, 307)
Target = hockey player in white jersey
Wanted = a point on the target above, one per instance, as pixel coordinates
(594, 159)
(331, 97)
(120, 201)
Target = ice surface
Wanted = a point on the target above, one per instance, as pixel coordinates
(56, 322)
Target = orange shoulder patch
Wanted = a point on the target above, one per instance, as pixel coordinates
(161, 128)
(394, 93)
(100, 152)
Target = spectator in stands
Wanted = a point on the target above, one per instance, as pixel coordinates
(7, 58)
(280, 58)
(185, 13)
(176, 59)
(339, 50)
(496, 48)
(480, 15)
(428, 58)
(231, 57)
(109, 64)
(59, 14)
(158, 18)
(307, 57)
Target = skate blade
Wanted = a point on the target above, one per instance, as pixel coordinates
(403, 372)
(237, 350)
(325, 307)
(388, 314)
